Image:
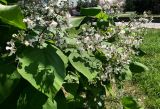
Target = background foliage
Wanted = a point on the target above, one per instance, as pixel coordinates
(148, 5)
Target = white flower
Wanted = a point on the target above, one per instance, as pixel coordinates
(9, 48)
(100, 104)
(14, 35)
(26, 20)
(101, 2)
(29, 22)
(103, 46)
(39, 18)
(86, 39)
(111, 1)
(97, 36)
(46, 8)
(68, 15)
(61, 3)
(122, 32)
(91, 47)
(51, 11)
(53, 24)
(26, 43)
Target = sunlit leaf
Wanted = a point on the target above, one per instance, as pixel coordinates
(9, 79)
(75, 21)
(129, 103)
(82, 66)
(12, 15)
(102, 16)
(30, 98)
(3, 1)
(62, 56)
(43, 69)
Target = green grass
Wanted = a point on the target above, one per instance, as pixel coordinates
(149, 81)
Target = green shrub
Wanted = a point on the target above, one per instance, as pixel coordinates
(64, 61)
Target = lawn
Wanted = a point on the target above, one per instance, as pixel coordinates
(149, 82)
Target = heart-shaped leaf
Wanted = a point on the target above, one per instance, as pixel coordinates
(43, 69)
(3, 1)
(138, 67)
(129, 103)
(30, 98)
(12, 15)
(82, 66)
(9, 79)
(75, 21)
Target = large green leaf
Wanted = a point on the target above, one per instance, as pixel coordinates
(127, 73)
(75, 21)
(82, 66)
(42, 68)
(62, 56)
(6, 32)
(138, 67)
(3, 1)
(73, 32)
(102, 16)
(91, 11)
(129, 103)
(9, 79)
(12, 15)
(68, 98)
(30, 98)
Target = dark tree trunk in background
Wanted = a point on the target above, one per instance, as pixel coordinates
(156, 7)
(143, 5)
(129, 6)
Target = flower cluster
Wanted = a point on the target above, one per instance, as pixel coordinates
(48, 20)
(45, 20)
(117, 45)
(112, 6)
(11, 47)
